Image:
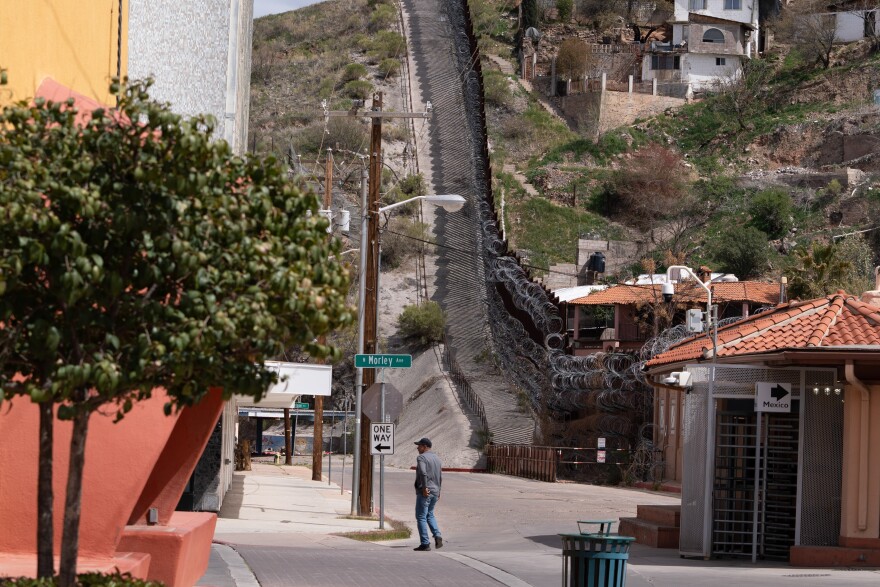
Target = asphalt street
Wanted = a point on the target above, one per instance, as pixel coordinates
(279, 528)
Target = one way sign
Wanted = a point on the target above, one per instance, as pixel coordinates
(772, 397)
(381, 438)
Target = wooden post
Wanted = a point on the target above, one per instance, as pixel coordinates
(371, 298)
(318, 430)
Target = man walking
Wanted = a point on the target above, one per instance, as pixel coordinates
(428, 481)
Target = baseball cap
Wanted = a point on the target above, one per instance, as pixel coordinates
(425, 442)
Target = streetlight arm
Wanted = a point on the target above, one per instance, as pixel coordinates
(692, 274)
(450, 202)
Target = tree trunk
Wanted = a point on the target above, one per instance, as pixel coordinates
(73, 501)
(45, 494)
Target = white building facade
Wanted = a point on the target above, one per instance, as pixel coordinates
(710, 40)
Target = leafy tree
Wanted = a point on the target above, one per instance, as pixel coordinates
(810, 28)
(138, 252)
(743, 94)
(564, 9)
(742, 250)
(530, 14)
(574, 59)
(824, 269)
(422, 323)
(771, 212)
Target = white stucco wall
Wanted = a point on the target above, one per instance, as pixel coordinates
(850, 26)
(702, 72)
(716, 8)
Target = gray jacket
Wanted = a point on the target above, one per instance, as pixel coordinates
(428, 473)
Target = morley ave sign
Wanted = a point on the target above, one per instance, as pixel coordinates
(383, 361)
(772, 397)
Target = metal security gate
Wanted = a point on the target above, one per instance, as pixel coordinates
(769, 480)
(755, 450)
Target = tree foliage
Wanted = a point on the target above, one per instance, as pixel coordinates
(771, 211)
(422, 323)
(138, 252)
(810, 28)
(825, 268)
(564, 9)
(530, 14)
(574, 59)
(741, 250)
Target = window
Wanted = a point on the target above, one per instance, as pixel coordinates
(665, 62)
(713, 36)
(720, 61)
(732, 4)
(697, 5)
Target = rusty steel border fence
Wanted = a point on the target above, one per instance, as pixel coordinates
(550, 463)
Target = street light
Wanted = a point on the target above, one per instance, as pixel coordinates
(450, 203)
(668, 290)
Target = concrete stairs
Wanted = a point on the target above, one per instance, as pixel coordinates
(656, 526)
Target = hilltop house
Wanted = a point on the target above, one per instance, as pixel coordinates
(772, 429)
(710, 40)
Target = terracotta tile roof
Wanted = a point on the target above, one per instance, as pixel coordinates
(687, 291)
(838, 320)
(52, 90)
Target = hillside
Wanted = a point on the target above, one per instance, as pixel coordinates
(790, 152)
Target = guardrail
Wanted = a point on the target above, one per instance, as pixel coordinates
(551, 463)
(468, 395)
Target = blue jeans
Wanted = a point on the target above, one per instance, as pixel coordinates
(425, 518)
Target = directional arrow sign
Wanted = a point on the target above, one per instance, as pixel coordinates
(772, 397)
(381, 438)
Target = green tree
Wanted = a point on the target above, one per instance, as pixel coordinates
(824, 269)
(530, 14)
(742, 250)
(564, 9)
(771, 212)
(138, 252)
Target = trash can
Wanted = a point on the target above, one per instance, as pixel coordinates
(594, 560)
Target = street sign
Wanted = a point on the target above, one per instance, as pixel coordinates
(601, 443)
(600, 456)
(383, 361)
(772, 397)
(301, 406)
(381, 438)
(372, 401)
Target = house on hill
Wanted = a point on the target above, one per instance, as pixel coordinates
(710, 40)
(772, 431)
(621, 317)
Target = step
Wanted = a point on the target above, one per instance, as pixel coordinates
(663, 515)
(649, 533)
(833, 556)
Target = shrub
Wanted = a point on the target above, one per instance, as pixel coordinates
(82, 580)
(574, 59)
(344, 133)
(402, 243)
(358, 89)
(422, 324)
(496, 89)
(383, 17)
(742, 250)
(564, 9)
(771, 212)
(353, 71)
(389, 67)
(385, 44)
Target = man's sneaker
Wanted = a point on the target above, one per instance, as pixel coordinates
(438, 541)
(423, 547)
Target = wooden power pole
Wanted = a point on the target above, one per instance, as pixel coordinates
(371, 276)
(318, 436)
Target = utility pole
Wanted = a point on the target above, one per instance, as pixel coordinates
(362, 490)
(318, 434)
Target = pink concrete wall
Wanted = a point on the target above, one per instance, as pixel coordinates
(119, 460)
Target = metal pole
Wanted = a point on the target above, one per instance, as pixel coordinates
(359, 373)
(382, 457)
(347, 405)
(708, 502)
(756, 493)
(330, 454)
(295, 426)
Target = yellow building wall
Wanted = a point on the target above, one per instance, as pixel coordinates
(72, 41)
(850, 532)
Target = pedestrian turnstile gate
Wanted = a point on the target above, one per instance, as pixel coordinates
(757, 483)
(756, 465)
